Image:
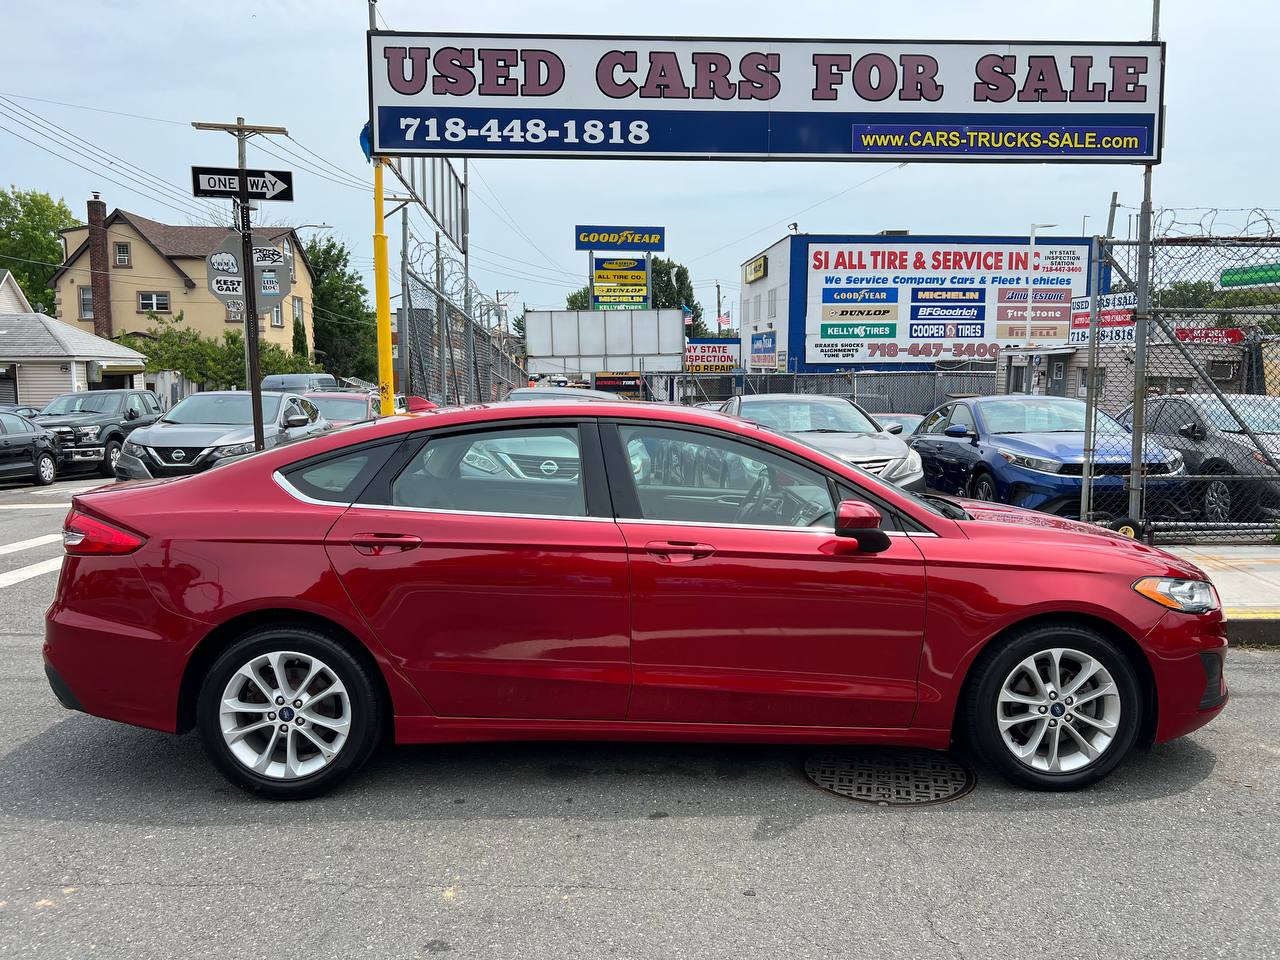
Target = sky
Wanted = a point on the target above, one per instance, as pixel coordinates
(301, 64)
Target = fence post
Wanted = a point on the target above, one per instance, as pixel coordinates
(1091, 383)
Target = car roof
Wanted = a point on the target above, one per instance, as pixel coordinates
(584, 393)
(791, 396)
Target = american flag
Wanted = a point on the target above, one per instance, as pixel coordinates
(724, 321)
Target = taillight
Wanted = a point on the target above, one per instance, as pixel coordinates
(83, 535)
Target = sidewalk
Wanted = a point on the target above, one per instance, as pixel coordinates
(1248, 582)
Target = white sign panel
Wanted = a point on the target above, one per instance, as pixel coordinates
(713, 355)
(735, 98)
(1115, 318)
(909, 300)
(590, 341)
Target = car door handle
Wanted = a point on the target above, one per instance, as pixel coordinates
(678, 551)
(376, 544)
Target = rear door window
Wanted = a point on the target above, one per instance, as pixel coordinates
(339, 478)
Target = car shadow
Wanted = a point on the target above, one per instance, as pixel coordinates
(93, 771)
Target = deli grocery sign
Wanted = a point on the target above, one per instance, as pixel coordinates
(751, 99)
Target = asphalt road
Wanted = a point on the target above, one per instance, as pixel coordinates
(118, 842)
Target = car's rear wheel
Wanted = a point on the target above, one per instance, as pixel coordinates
(46, 469)
(1056, 707)
(287, 712)
(984, 487)
(1216, 500)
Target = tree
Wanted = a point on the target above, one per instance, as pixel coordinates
(580, 299)
(299, 338)
(517, 326)
(169, 344)
(342, 324)
(29, 225)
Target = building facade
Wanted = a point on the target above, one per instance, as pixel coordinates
(121, 268)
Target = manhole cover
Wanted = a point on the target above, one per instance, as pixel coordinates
(891, 777)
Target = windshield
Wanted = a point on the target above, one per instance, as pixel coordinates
(342, 408)
(84, 403)
(1260, 414)
(1041, 415)
(819, 415)
(223, 409)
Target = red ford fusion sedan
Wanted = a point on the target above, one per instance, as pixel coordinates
(613, 570)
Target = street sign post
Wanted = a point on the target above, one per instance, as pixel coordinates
(224, 183)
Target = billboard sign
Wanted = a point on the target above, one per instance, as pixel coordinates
(764, 350)
(756, 269)
(759, 99)
(619, 283)
(712, 355)
(619, 239)
(589, 341)
(924, 300)
(1115, 318)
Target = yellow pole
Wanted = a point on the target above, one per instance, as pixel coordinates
(382, 295)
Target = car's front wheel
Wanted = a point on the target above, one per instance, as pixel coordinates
(110, 454)
(46, 469)
(984, 487)
(287, 712)
(1055, 707)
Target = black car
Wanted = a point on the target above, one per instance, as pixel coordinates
(21, 409)
(27, 451)
(91, 426)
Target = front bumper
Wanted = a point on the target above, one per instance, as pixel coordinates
(1060, 495)
(1187, 655)
(70, 456)
(129, 467)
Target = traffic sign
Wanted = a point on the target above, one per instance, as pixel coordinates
(270, 275)
(224, 182)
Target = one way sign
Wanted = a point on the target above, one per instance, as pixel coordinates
(225, 182)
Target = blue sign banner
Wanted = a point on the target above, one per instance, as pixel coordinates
(948, 295)
(944, 312)
(619, 238)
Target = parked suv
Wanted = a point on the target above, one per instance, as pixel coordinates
(1235, 480)
(91, 426)
(300, 382)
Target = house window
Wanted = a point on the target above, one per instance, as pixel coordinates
(123, 258)
(86, 303)
(773, 302)
(297, 309)
(756, 305)
(153, 301)
(288, 258)
(277, 316)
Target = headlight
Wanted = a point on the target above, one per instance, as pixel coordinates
(233, 450)
(1031, 463)
(133, 449)
(480, 461)
(1189, 596)
(89, 433)
(906, 467)
(1175, 462)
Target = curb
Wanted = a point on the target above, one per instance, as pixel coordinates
(1244, 630)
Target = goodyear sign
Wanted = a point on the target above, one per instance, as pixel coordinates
(619, 238)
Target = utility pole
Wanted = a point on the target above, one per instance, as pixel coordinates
(406, 307)
(253, 376)
(717, 307)
(1140, 326)
(381, 277)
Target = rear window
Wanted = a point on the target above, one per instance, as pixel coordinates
(339, 478)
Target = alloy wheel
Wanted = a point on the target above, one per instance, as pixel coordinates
(115, 455)
(1058, 710)
(984, 489)
(1217, 501)
(285, 715)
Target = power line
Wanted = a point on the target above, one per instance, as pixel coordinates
(330, 163)
(69, 140)
(515, 226)
(309, 169)
(150, 196)
(81, 106)
(320, 170)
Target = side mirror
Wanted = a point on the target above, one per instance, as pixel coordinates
(1191, 431)
(131, 414)
(893, 428)
(297, 420)
(858, 520)
(958, 431)
(418, 404)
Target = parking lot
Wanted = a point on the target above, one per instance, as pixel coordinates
(123, 842)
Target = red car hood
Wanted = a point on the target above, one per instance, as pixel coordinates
(998, 520)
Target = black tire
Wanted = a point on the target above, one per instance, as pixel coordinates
(109, 454)
(980, 709)
(983, 487)
(1127, 527)
(46, 470)
(366, 710)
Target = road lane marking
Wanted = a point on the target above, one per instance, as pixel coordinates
(28, 544)
(10, 577)
(35, 506)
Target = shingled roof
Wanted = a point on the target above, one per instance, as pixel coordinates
(32, 336)
(172, 242)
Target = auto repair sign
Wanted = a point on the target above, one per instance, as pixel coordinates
(712, 355)
(909, 300)
(449, 94)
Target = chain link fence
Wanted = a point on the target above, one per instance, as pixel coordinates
(908, 391)
(1208, 373)
(469, 364)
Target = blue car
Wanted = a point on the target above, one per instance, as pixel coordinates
(1029, 451)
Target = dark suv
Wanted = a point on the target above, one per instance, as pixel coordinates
(1235, 481)
(91, 426)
